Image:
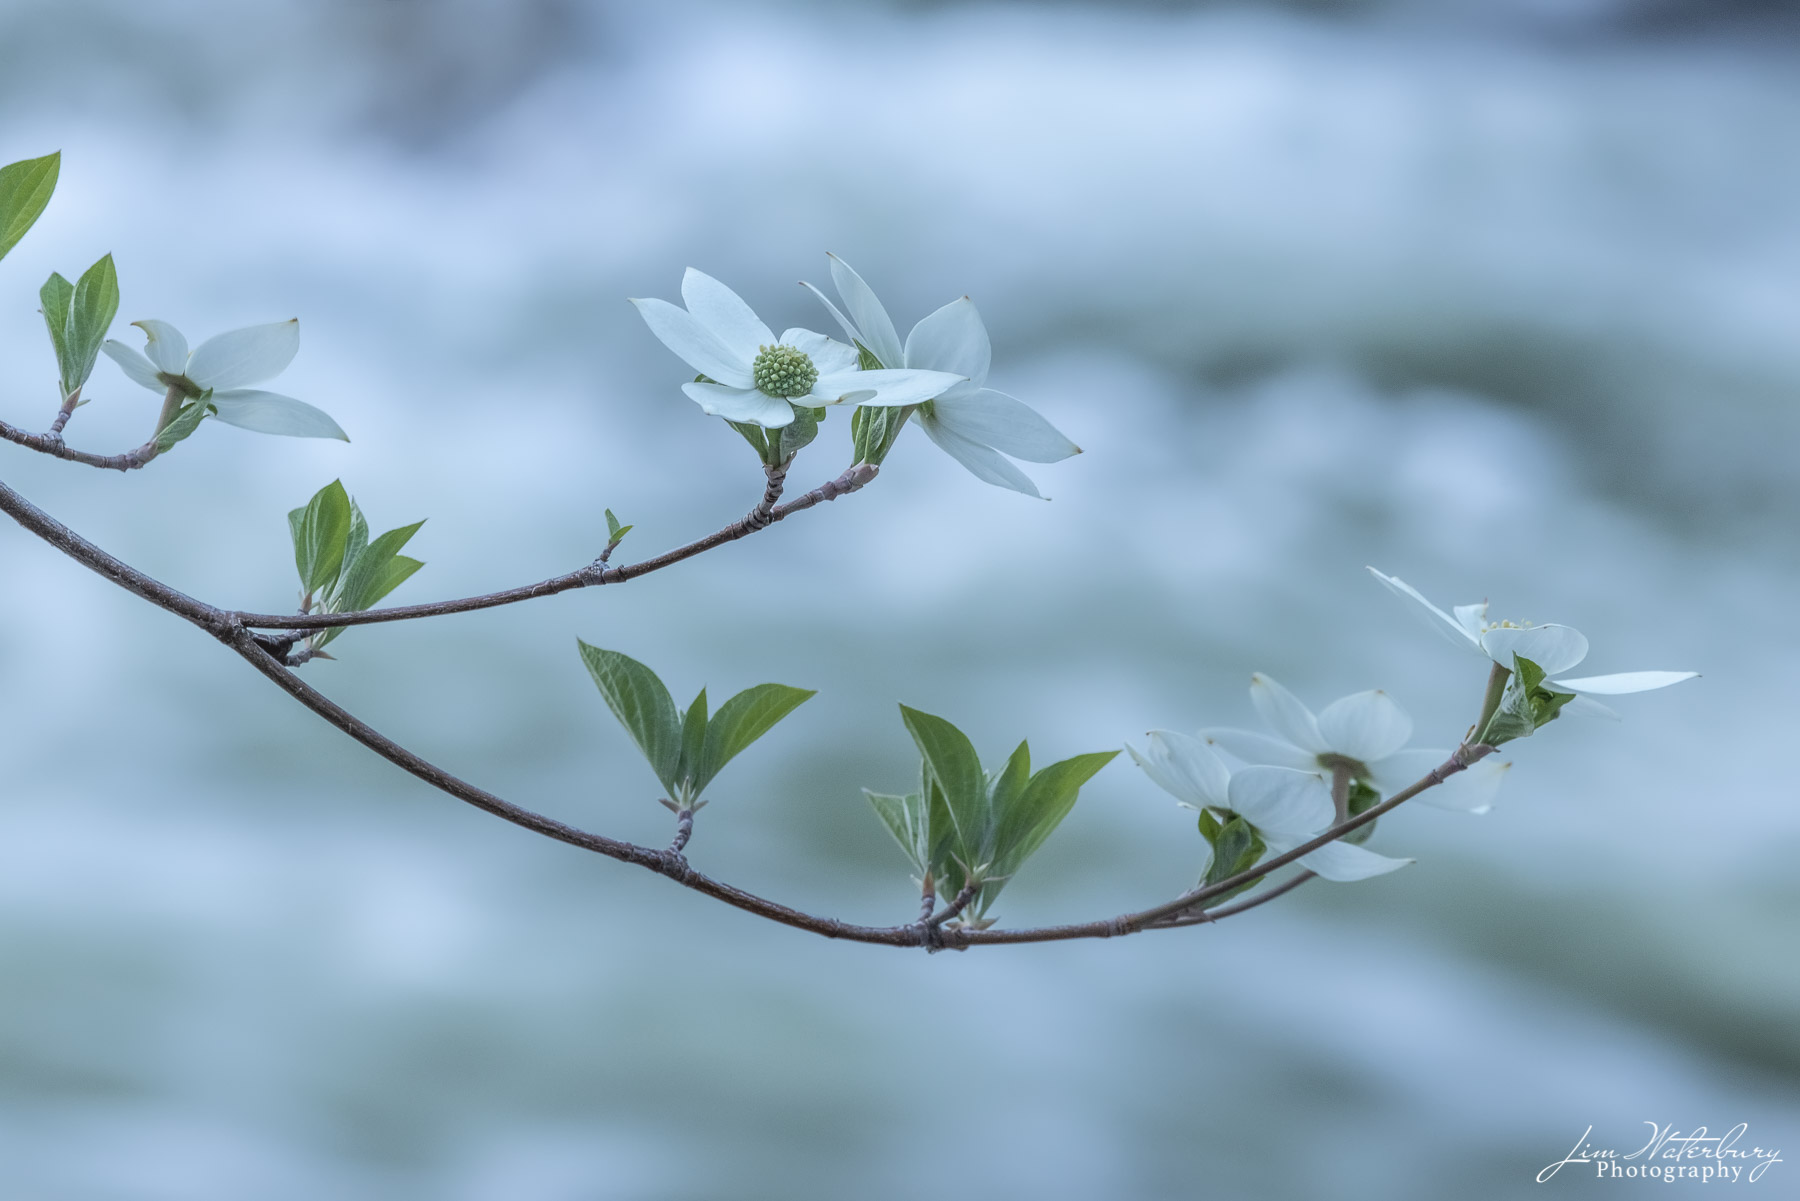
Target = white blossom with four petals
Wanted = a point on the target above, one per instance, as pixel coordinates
(971, 422)
(722, 338)
(1554, 648)
(1286, 805)
(1367, 732)
(220, 369)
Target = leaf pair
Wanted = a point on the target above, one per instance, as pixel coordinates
(341, 570)
(78, 316)
(965, 825)
(25, 189)
(873, 430)
(775, 447)
(1526, 707)
(685, 752)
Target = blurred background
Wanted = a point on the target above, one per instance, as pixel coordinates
(1500, 297)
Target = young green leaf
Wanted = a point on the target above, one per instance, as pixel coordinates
(755, 435)
(1022, 827)
(693, 746)
(182, 425)
(951, 763)
(797, 434)
(91, 313)
(55, 298)
(614, 531)
(371, 576)
(319, 530)
(643, 706)
(1236, 847)
(904, 818)
(740, 721)
(25, 189)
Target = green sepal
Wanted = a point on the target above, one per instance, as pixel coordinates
(643, 706)
(25, 190)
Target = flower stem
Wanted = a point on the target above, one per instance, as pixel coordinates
(170, 407)
(1340, 792)
(1490, 704)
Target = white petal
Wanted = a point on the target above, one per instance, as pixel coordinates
(1403, 769)
(890, 388)
(166, 347)
(1451, 628)
(1367, 726)
(698, 347)
(1625, 681)
(140, 369)
(273, 413)
(1185, 768)
(1553, 648)
(1470, 791)
(1471, 617)
(872, 321)
(849, 327)
(725, 315)
(741, 404)
(1587, 706)
(987, 465)
(1252, 747)
(245, 356)
(828, 355)
(1345, 863)
(1285, 714)
(952, 339)
(1281, 800)
(1009, 426)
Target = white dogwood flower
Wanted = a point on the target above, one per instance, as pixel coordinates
(753, 376)
(1367, 733)
(1554, 648)
(1286, 805)
(218, 371)
(971, 422)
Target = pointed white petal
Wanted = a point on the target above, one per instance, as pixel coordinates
(1403, 769)
(166, 347)
(1470, 791)
(140, 369)
(725, 315)
(831, 357)
(1009, 426)
(697, 346)
(741, 404)
(890, 388)
(273, 413)
(952, 339)
(1185, 768)
(1450, 627)
(1252, 747)
(1285, 714)
(985, 464)
(1625, 681)
(1344, 863)
(1471, 618)
(1366, 726)
(1281, 800)
(245, 356)
(876, 327)
(1587, 706)
(1554, 648)
(849, 327)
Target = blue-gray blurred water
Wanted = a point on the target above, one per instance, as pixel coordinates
(1501, 298)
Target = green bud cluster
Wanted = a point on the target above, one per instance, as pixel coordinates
(783, 371)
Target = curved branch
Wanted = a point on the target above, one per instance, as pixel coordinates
(766, 513)
(52, 444)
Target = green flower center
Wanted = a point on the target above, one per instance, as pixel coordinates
(783, 371)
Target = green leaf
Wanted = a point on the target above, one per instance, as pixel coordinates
(1005, 789)
(54, 299)
(320, 529)
(1363, 797)
(25, 189)
(95, 304)
(866, 360)
(740, 721)
(370, 577)
(643, 706)
(1236, 848)
(1022, 827)
(795, 436)
(693, 746)
(755, 435)
(614, 531)
(182, 425)
(873, 430)
(904, 817)
(951, 764)
(1526, 706)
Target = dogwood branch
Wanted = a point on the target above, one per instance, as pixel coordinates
(52, 444)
